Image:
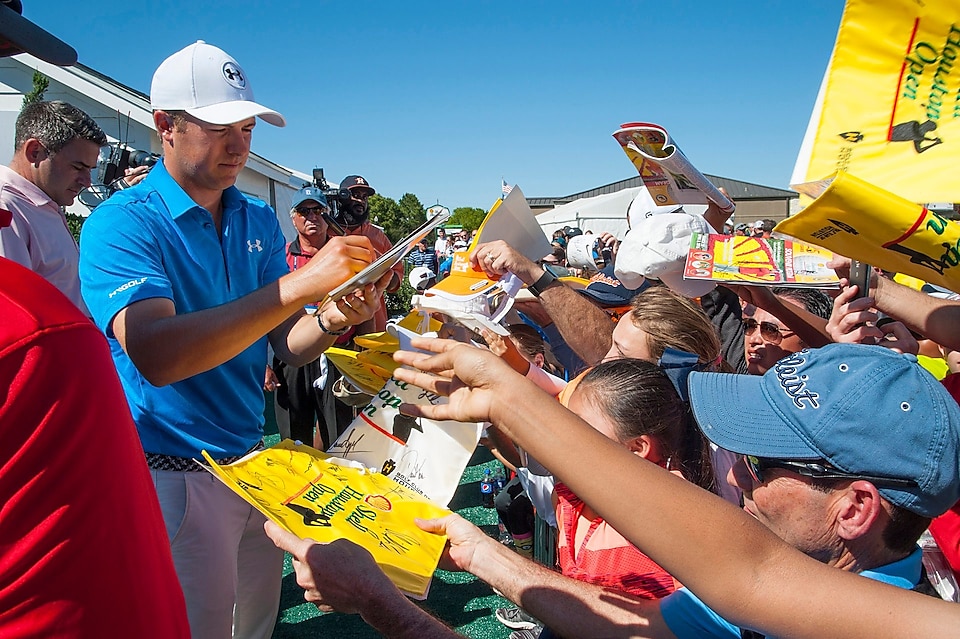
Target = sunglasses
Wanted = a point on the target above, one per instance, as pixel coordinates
(307, 211)
(768, 330)
(817, 470)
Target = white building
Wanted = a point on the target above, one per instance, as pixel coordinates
(124, 115)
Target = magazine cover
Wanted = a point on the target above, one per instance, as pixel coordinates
(666, 172)
(315, 496)
(758, 261)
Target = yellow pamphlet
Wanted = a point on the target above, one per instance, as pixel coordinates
(309, 494)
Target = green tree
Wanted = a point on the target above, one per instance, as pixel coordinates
(40, 84)
(468, 217)
(412, 216)
(74, 222)
(398, 219)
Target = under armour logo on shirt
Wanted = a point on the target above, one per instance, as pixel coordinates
(254, 245)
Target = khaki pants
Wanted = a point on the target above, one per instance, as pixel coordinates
(228, 568)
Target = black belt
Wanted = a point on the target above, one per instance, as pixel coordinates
(156, 461)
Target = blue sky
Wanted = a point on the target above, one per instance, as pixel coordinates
(441, 99)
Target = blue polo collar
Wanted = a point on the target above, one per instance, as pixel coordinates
(177, 201)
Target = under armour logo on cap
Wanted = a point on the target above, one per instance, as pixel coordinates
(234, 75)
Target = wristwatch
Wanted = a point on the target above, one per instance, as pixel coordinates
(543, 282)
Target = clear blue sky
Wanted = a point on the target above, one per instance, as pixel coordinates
(441, 99)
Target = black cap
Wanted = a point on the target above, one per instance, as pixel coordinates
(19, 35)
(356, 182)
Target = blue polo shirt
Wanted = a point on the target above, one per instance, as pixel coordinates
(689, 618)
(151, 241)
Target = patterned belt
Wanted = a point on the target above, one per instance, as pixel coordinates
(156, 461)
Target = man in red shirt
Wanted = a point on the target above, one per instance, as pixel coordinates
(83, 548)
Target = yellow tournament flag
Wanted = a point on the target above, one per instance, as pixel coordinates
(854, 218)
(306, 492)
(888, 109)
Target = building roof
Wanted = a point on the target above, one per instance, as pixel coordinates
(736, 189)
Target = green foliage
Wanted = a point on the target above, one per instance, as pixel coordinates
(399, 303)
(398, 219)
(74, 222)
(40, 84)
(468, 217)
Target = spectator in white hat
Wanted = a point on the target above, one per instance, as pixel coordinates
(187, 278)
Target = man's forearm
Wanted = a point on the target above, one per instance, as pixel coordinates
(933, 318)
(586, 329)
(400, 618)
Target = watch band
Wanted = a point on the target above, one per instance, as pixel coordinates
(542, 283)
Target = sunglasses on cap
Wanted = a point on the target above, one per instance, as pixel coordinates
(768, 330)
(817, 470)
(307, 211)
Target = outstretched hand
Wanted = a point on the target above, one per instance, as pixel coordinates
(469, 376)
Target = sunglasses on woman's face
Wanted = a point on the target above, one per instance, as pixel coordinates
(769, 331)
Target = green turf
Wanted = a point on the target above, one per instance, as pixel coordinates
(459, 599)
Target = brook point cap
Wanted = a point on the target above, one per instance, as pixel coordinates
(209, 84)
(309, 193)
(863, 409)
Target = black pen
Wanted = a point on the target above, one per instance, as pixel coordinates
(333, 224)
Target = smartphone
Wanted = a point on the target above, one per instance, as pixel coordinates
(860, 275)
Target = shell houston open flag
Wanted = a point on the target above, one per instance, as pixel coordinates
(889, 106)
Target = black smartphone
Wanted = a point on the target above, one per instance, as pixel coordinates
(860, 275)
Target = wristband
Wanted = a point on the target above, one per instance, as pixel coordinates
(542, 283)
(327, 331)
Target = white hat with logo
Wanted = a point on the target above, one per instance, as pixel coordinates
(209, 84)
(656, 247)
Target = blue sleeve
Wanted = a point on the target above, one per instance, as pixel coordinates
(689, 618)
(120, 263)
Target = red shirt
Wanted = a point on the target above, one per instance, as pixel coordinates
(604, 557)
(83, 547)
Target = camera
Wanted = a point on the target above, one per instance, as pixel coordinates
(337, 200)
(115, 159)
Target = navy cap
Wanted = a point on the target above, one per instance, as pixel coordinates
(608, 292)
(356, 182)
(309, 193)
(863, 409)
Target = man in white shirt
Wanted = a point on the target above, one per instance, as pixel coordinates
(56, 146)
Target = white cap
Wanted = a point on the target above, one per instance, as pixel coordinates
(419, 276)
(208, 84)
(657, 248)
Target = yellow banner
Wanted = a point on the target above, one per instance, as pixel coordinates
(890, 105)
(299, 489)
(866, 223)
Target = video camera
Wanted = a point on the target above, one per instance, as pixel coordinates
(336, 197)
(115, 159)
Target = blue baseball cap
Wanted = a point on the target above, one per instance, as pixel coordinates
(309, 193)
(608, 291)
(865, 410)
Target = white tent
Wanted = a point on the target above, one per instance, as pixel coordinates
(601, 214)
(604, 213)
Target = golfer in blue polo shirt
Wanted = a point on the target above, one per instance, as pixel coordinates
(187, 278)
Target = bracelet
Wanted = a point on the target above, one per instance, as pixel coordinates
(326, 331)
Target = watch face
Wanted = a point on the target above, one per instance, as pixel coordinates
(556, 270)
